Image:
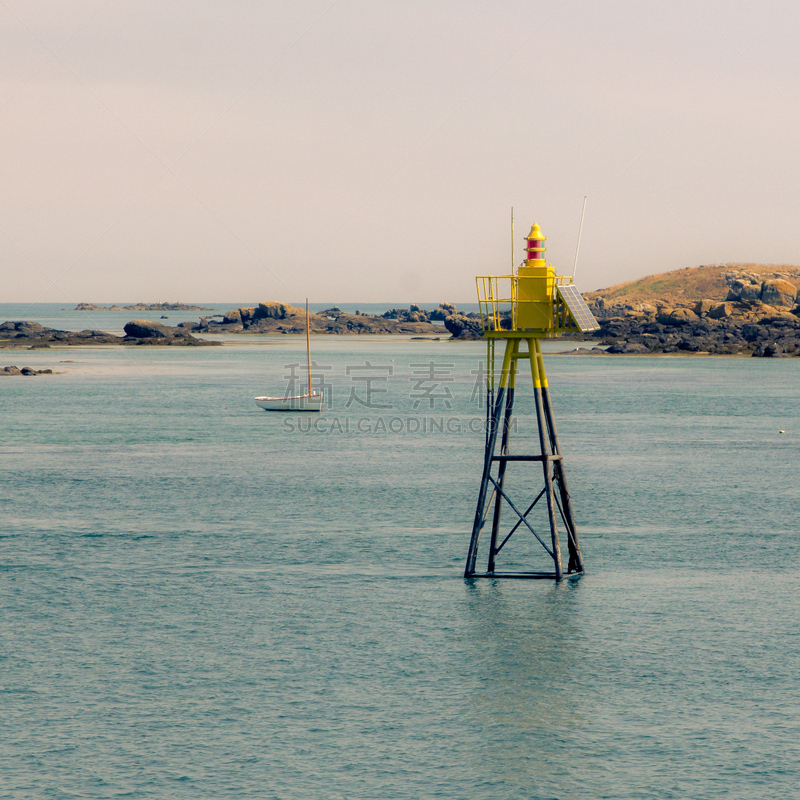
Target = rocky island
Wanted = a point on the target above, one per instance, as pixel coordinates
(727, 309)
(141, 307)
(33, 336)
(27, 371)
(274, 317)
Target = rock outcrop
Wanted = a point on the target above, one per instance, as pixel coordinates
(682, 288)
(729, 328)
(628, 348)
(22, 329)
(141, 307)
(778, 293)
(4, 371)
(744, 289)
(720, 311)
(462, 326)
(444, 311)
(284, 318)
(674, 316)
(274, 310)
(744, 310)
(144, 329)
(32, 335)
(413, 314)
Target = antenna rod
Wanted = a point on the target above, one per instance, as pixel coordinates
(578, 246)
(308, 348)
(512, 240)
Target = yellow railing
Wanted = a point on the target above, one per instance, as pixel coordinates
(498, 301)
(495, 299)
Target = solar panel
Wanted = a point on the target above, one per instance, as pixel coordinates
(577, 308)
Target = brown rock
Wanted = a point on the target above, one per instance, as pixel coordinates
(676, 316)
(463, 327)
(24, 329)
(628, 348)
(721, 311)
(444, 311)
(144, 329)
(743, 289)
(763, 310)
(275, 311)
(767, 315)
(703, 307)
(778, 292)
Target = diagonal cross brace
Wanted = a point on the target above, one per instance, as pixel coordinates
(519, 522)
(521, 516)
(486, 513)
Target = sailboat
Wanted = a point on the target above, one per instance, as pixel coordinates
(312, 401)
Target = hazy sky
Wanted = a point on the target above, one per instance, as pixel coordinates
(201, 150)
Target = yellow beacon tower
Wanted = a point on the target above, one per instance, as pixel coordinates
(521, 309)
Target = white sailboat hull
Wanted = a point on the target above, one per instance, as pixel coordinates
(302, 402)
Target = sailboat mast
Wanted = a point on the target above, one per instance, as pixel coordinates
(308, 347)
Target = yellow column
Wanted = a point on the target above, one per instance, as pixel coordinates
(509, 371)
(540, 365)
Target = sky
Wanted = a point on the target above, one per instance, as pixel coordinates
(346, 150)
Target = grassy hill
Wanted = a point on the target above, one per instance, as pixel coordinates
(687, 286)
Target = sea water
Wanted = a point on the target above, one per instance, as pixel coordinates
(203, 600)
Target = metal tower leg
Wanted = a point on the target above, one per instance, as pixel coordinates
(501, 472)
(573, 546)
(558, 502)
(535, 352)
(491, 439)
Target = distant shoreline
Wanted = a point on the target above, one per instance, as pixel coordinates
(141, 307)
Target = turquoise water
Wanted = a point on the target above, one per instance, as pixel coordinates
(203, 600)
